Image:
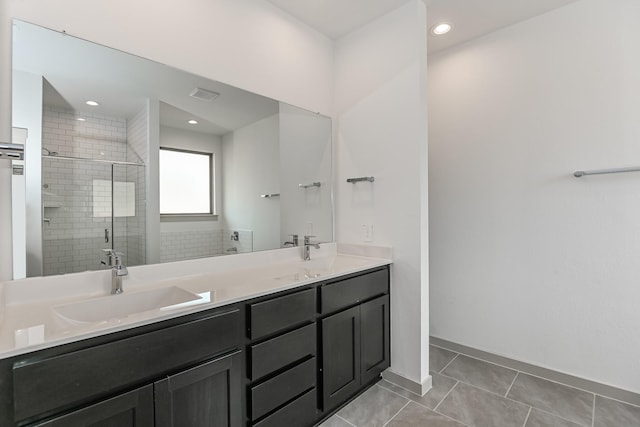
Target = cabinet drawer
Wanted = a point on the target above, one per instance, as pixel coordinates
(282, 388)
(83, 376)
(280, 313)
(283, 350)
(343, 293)
(301, 412)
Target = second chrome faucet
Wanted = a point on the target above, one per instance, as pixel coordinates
(306, 248)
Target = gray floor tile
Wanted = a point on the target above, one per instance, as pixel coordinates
(335, 421)
(439, 357)
(479, 373)
(373, 408)
(611, 413)
(417, 415)
(441, 386)
(542, 419)
(566, 402)
(475, 407)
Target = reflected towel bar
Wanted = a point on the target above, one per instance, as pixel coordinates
(313, 184)
(268, 196)
(578, 174)
(11, 151)
(364, 178)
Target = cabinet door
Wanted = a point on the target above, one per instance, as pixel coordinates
(208, 395)
(340, 356)
(132, 409)
(374, 329)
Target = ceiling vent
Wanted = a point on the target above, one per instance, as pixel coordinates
(205, 95)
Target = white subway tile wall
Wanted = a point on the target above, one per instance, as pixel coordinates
(73, 237)
(181, 245)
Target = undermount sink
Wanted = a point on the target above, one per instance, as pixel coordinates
(123, 305)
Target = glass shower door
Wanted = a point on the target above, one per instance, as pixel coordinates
(90, 207)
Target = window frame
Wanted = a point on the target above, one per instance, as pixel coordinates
(212, 190)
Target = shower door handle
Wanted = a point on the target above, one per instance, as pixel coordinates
(106, 235)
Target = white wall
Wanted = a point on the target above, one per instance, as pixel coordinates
(526, 260)
(381, 131)
(305, 157)
(228, 40)
(251, 167)
(27, 113)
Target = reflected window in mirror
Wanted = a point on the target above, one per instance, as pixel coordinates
(186, 182)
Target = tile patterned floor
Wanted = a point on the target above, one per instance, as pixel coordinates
(469, 392)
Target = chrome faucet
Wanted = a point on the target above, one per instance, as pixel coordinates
(118, 271)
(306, 249)
(293, 242)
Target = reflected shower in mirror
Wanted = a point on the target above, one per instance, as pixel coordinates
(110, 138)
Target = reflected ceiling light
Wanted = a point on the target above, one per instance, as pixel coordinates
(193, 122)
(80, 119)
(440, 29)
(92, 103)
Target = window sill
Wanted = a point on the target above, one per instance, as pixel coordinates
(187, 217)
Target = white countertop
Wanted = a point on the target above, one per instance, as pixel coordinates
(29, 319)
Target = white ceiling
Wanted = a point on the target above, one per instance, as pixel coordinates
(471, 18)
(77, 70)
(335, 18)
(475, 18)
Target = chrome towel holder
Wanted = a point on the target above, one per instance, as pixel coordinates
(313, 184)
(362, 179)
(579, 174)
(11, 151)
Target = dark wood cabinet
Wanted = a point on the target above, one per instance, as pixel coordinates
(181, 372)
(374, 338)
(340, 356)
(208, 395)
(132, 409)
(287, 359)
(355, 344)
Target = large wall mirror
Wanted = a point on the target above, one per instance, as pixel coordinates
(127, 154)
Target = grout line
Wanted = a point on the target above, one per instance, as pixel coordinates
(396, 414)
(346, 421)
(593, 412)
(617, 400)
(527, 418)
(512, 383)
(450, 362)
(445, 396)
(556, 416)
(536, 376)
(452, 419)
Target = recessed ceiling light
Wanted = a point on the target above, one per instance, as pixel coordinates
(193, 122)
(92, 103)
(440, 29)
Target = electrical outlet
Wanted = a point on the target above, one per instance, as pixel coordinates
(367, 232)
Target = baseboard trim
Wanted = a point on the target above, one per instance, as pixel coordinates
(414, 387)
(548, 374)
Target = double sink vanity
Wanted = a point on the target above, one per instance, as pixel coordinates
(263, 340)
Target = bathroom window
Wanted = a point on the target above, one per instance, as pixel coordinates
(185, 182)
